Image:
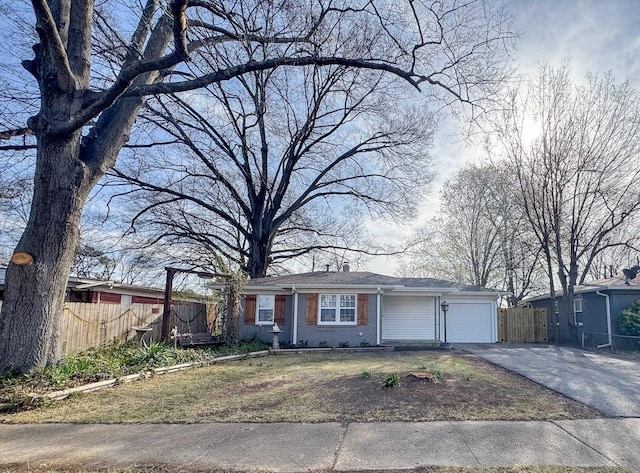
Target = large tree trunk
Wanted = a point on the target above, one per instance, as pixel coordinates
(34, 295)
(259, 259)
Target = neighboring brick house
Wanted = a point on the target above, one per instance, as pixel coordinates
(104, 292)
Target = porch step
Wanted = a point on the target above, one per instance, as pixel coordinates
(412, 344)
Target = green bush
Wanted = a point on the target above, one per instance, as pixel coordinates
(391, 381)
(152, 355)
(366, 375)
(438, 373)
(628, 320)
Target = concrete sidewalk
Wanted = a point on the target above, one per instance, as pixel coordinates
(330, 446)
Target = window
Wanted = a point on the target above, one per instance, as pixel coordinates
(337, 309)
(577, 303)
(265, 308)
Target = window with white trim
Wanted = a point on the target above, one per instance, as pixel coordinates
(577, 303)
(265, 307)
(336, 309)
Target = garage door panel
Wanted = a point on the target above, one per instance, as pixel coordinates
(408, 318)
(470, 322)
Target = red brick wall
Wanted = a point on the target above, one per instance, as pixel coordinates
(146, 300)
(110, 298)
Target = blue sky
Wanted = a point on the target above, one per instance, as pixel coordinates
(595, 36)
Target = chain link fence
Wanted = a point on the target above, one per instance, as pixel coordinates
(621, 345)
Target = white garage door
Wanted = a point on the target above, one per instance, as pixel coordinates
(470, 322)
(408, 318)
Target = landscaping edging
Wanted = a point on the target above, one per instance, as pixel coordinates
(87, 388)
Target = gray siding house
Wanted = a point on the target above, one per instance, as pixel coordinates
(340, 308)
(591, 315)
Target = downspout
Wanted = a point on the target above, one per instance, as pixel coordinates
(295, 316)
(378, 318)
(436, 320)
(608, 306)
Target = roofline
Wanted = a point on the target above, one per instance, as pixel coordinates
(624, 287)
(583, 289)
(393, 289)
(481, 293)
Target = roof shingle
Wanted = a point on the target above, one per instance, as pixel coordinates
(358, 278)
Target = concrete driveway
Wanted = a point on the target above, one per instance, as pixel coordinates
(608, 384)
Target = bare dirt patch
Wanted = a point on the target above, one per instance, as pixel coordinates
(321, 388)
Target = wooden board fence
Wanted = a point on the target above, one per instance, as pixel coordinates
(86, 325)
(522, 325)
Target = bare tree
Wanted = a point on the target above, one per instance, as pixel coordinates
(574, 151)
(281, 163)
(478, 237)
(93, 70)
(612, 261)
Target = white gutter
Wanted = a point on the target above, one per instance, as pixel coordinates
(261, 289)
(111, 284)
(295, 316)
(378, 319)
(608, 306)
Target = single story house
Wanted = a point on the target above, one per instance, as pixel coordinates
(343, 308)
(592, 314)
(103, 292)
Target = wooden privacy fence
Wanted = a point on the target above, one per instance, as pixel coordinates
(522, 325)
(86, 325)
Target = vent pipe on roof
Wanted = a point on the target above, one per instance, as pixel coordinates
(327, 268)
(345, 267)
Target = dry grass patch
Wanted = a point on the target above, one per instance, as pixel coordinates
(320, 388)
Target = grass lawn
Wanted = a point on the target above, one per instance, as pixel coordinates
(319, 388)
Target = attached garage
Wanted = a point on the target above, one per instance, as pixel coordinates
(471, 321)
(418, 318)
(408, 318)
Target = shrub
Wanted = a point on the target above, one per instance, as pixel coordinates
(344, 344)
(366, 375)
(391, 381)
(365, 343)
(438, 374)
(323, 344)
(628, 320)
(153, 354)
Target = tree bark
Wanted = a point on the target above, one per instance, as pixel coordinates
(259, 259)
(35, 294)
